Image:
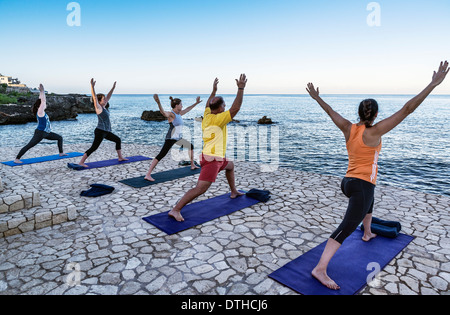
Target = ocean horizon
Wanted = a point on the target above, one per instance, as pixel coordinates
(415, 155)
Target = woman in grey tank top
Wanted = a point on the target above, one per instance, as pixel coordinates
(103, 130)
(174, 135)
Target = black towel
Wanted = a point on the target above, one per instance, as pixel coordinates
(384, 228)
(258, 194)
(97, 190)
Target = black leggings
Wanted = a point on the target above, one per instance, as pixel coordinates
(39, 135)
(361, 200)
(169, 144)
(99, 136)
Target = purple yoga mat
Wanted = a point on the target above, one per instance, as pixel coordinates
(200, 212)
(354, 263)
(113, 162)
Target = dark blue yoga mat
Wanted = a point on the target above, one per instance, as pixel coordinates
(200, 212)
(113, 162)
(139, 182)
(348, 268)
(44, 159)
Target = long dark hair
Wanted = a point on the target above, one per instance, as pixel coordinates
(368, 109)
(35, 107)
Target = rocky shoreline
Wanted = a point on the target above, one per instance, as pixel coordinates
(59, 107)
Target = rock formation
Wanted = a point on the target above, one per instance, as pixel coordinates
(59, 107)
(150, 115)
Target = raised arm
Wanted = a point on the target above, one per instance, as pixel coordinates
(390, 123)
(236, 107)
(98, 107)
(188, 109)
(43, 106)
(213, 94)
(108, 97)
(161, 109)
(343, 124)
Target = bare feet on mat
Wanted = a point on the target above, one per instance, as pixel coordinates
(194, 167)
(323, 278)
(123, 159)
(149, 178)
(235, 194)
(176, 215)
(17, 161)
(368, 237)
(63, 154)
(84, 165)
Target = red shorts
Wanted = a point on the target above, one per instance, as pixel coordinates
(211, 167)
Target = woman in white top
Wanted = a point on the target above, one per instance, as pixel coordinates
(174, 135)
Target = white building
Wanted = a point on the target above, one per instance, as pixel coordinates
(5, 79)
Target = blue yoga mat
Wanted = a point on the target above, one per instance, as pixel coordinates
(200, 212)
(44, 159)
(139, 182)
(113, 162)
(348, 268)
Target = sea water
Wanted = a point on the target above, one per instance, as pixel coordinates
(415, 155)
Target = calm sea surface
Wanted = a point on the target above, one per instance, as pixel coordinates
(415, 155)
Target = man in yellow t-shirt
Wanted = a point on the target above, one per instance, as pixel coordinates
(213, 159)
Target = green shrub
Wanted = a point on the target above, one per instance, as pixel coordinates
(5, 99)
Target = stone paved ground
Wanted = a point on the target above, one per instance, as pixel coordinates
(118, 253)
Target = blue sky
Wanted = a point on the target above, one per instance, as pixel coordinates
(181, 46)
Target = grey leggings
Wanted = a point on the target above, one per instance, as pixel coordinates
(39, 135)
(361, 200)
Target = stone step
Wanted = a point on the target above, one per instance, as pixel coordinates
(16, 202)
(36, 218)
(24, 209)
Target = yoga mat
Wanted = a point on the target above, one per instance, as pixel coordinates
(44, 159)
(113, 162)
(348, 268)
(139, 182)
(200, 212)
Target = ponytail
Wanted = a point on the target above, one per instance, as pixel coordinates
(368, 109)
(35, 107)
(174, 102)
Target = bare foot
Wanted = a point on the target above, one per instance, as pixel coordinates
(123, 159)
(176, 215)
(84, 165)
(149, 178)
(368, 237)
(194, 167)
(63, 154)
(323, 278)
(17, 161)
(236, 194)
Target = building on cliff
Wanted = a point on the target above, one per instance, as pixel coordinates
(13, 84)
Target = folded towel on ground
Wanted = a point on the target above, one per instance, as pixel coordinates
(97, 190)
(384, 228)
(258, 194)
(187, 163)
(75, 166)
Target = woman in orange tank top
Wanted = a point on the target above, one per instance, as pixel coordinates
(363, 145)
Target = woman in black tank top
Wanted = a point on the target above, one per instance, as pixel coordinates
(103, 130)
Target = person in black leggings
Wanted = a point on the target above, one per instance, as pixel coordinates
(363, 141)
(43, 130)
(174, 135)
(103, 130)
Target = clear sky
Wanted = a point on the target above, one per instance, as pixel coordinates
(180, 46)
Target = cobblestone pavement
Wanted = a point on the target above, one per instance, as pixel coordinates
(116, 252)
